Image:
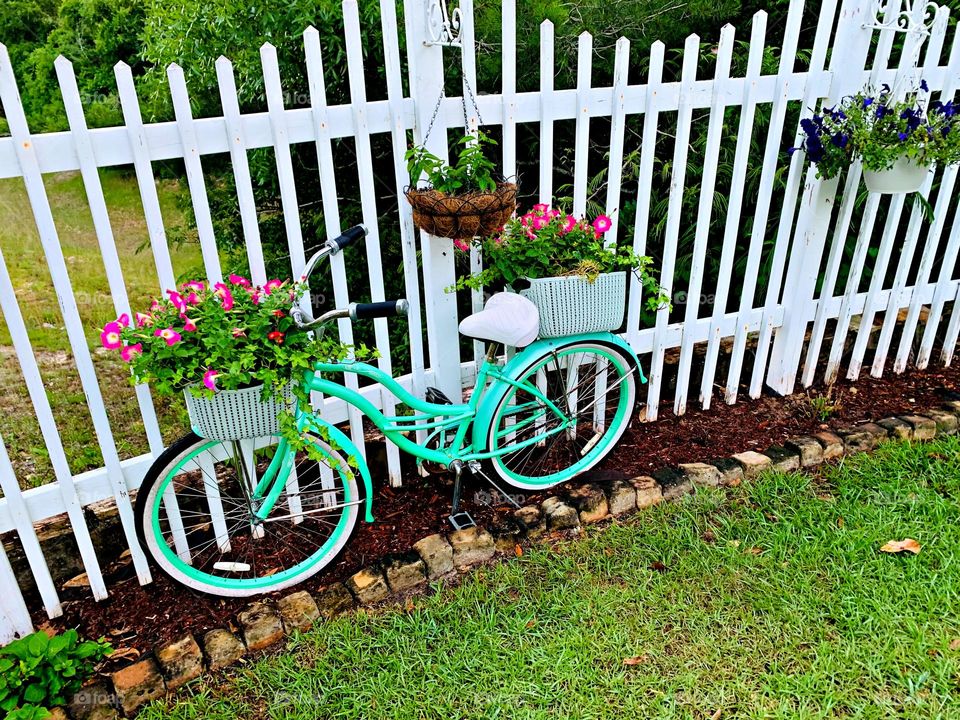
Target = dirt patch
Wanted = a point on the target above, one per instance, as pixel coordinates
(142, 617)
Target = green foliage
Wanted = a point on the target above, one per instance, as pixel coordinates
(39, 672)
(224, 337)
(549, 243)
(472, 172)
(879, 130)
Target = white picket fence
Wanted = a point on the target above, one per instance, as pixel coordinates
(808, 242)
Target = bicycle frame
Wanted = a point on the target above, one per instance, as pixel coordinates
(435, 417)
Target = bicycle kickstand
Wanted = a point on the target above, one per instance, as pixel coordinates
(459, 519)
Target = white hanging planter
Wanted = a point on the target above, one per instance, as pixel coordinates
(236, 414)
(906, 176)
(572, 304)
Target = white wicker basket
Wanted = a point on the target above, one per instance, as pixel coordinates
(572, 305)
(904, 176)
(236, 414)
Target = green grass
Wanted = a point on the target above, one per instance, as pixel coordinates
(768, 601)
(27, 265)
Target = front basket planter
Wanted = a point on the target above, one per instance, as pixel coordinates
(236, 414)
(905, 176)
(573, 304)
(462, 216)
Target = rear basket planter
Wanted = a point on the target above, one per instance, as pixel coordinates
(236, 414)
(905, 176)
(474, 214)
(572, 305)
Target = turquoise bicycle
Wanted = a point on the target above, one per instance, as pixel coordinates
(238, 518)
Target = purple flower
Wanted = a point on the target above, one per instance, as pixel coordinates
(867, 102)
(791, 151)
(840, 140)
(882, 111)
(923, 86)
(885, 89)
(903, 136)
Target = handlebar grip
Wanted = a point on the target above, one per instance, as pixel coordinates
(349, 237)
(388, 308)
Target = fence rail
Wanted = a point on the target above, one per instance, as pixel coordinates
(802, 235)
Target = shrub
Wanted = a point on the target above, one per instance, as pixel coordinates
(39, 672)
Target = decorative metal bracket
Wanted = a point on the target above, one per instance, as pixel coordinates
(443, 28)
(906, 16)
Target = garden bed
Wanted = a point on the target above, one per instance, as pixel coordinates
(138, 618)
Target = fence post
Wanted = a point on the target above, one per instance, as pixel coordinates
(425, 67)
(848, 62)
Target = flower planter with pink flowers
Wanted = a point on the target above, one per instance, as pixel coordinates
(568, 267)
(231, 348)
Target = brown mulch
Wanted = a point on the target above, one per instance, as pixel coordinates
(138, 618)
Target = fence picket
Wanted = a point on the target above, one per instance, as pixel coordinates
(508, 49)
(194, 172)
(28, 536)
(14, 616)
(546, 112)
(953, 332)
(708, 182)
(735, 204)
(641, 221)
(582, 132)
(943, 292)
(241, 169)
(618, 122)
(771, 156)
(688, 77)
(331, 210)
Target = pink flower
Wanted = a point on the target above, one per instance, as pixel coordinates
(177, 300)
(124, 320)
(461, 245)
(272, 285)
(554, 214)
(144, 319)
(602, 224)
(169, 334)
(498, 240)
(526, 219)
(155, 305)
(193, 299)
(239, 280)
(110, 337)
(130, 351)
(254, 295)
(239, 332)
(226, 297)
(540, 222)
(194, 285)
(189, 325)
(541, 208)
(569, 224)
(210, 379)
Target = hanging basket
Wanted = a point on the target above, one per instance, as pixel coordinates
(236, 414)
(572, 305)
(474, 214)
(905, 176)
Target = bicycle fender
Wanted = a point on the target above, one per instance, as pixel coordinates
(522, 360)
(340, 441)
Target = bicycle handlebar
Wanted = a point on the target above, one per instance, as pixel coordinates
(387, 308)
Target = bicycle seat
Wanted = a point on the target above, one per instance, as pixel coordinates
(506, 318)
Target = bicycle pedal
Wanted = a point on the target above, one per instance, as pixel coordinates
(462, 520)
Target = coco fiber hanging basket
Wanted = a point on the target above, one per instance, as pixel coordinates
(463, 216)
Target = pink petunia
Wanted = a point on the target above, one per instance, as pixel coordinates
(569, 224)
(554, 214)
(541, 208)
(110, 337)
(526, 219)
(192, 299)
(189, 325)
(143, 319)
(272, 285)
(210, 379)
(238, 332)
(169, 334)
(540, 222)
(461, 245)
(124, 320)
(602, 224)
(177, 300)
(238, 280)
(226, 297)
(130, 351)
(194, 285)
(255, 295)
(155, 305)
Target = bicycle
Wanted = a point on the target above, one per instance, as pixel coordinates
(251, 516)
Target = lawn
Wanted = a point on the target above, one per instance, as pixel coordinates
(27, 266)
(771, 600)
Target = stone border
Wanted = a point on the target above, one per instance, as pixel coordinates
(265, 623)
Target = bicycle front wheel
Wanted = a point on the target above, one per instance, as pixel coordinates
(571, 408)
(196, 513)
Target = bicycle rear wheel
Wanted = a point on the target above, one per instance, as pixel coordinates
(594, 387)
(195, 514)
